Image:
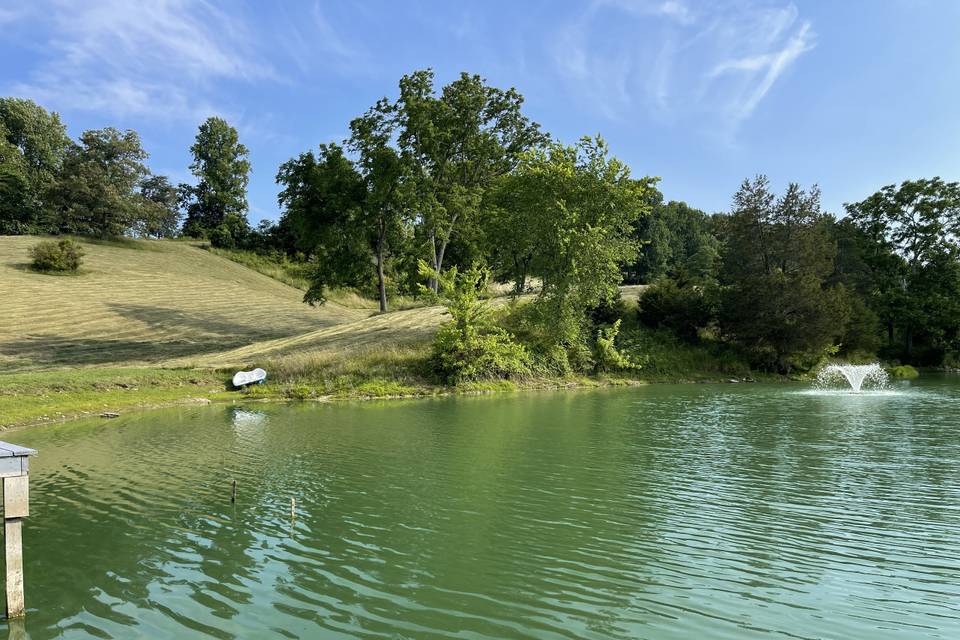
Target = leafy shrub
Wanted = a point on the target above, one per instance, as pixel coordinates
(56, 255)
(470, 347)
(684, 309)
(472, 355)
(608, 358)
(904, 371)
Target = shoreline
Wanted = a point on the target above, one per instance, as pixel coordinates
(50, 403)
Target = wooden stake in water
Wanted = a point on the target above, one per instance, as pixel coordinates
(16, 506)
(233, 491)
(293, 509)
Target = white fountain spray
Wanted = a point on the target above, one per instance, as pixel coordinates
(855, 375)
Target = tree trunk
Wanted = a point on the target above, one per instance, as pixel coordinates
(433, 284)
(438, 253)
(381, 281)
(438, 260)
(909, 341)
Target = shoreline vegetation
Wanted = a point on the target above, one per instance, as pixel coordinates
(33, 399)
(38, 398)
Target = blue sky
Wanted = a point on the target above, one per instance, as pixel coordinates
(851, 95)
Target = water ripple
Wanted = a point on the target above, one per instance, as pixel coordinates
(663, 512)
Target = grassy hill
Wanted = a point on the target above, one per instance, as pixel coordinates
(145, 302)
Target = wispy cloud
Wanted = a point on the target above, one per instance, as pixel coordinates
(709, 63)
(141, 58)
(313, 38)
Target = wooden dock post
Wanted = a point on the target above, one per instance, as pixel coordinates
(14, 466)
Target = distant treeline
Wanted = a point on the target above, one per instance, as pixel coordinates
(459, 178)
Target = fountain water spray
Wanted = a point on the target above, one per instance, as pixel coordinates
(855, 375)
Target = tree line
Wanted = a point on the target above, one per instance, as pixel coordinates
(440, 190)
(100, 186)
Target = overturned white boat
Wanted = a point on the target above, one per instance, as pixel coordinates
(243, 378)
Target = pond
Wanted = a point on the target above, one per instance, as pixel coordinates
(660, 512)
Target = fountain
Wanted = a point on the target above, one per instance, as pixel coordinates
(855, 375)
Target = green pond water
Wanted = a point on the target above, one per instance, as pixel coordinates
(697, 511)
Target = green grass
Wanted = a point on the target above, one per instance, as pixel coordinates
(296, 274)
(291, 273)
(49, 396)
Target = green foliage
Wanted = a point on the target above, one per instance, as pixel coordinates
(905, 372)
(776, 301)
(63, 256)
(676, 240)
(17, 213)
(322, 194)
(579, 206)
(275, 265)
(471, 347)
(457, 144)
(96, 195)
(160, 212)
(665, 356)
(907, 243)
(607, 357)
(682, 307)
(216, 207)
(33, 144)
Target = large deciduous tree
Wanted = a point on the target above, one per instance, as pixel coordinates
(160, 211)
(348, 214)
(777, 301)
(676, 241)
(386, 189)
(574, 208)
(216, 207)
(321, 196)
(910, 242)
(33, 144)
(457, 144)
(96, 193)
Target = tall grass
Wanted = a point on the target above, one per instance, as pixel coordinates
(279, 267)
(296, 274)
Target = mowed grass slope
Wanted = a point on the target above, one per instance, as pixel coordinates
(145, 302)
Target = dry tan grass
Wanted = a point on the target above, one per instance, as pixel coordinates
(395, 329)
(144, 302)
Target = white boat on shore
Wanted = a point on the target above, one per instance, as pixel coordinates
(243, 378)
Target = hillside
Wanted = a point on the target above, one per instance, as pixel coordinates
(144, 302)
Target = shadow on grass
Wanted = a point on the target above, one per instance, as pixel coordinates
(26, 267)
(184, 334)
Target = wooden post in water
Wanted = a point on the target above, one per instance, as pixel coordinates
(14, 466)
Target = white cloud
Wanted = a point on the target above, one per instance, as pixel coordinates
(711, 65)
(155, 58)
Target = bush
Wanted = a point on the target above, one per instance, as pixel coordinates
(684, 309)
(608, 358)
(53, 255)
(471, 356)
(904, 371)
(470, 347)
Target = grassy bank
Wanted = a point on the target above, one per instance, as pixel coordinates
(377, 371)
(52, 396)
